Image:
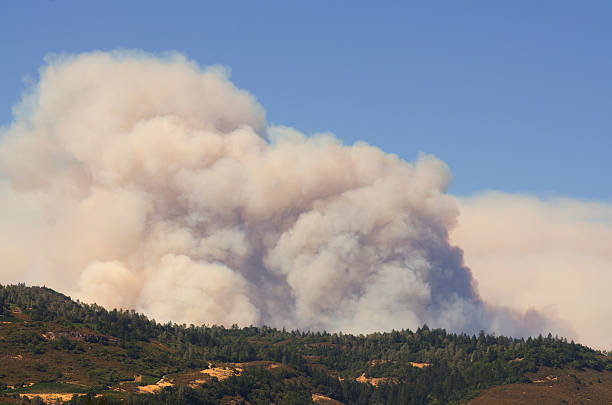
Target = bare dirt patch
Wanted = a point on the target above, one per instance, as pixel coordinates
(547, 379)
(419, 365)
(323, 400)
(153, 388)
(221, 373)
(51, 397)
(375, 381)
(196, 383)
(48, 336)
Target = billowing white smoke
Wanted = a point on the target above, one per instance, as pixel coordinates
(554, 255)
(148, 183)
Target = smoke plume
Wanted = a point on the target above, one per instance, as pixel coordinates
(143, 182)
(553, 254)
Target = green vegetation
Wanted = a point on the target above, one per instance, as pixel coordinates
(76, 347)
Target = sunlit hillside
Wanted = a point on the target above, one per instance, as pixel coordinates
(55, 349)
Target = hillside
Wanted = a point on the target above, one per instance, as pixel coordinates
(54, 348)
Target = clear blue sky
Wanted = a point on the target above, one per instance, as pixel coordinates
(514, 96)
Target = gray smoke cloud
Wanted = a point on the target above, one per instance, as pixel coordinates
(146, 182)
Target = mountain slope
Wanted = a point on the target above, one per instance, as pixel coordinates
(50, 344)
(552, 386)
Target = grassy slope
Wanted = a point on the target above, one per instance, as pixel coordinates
(553, 386)
(69, 359)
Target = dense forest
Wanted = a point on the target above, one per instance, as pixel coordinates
(103, 350)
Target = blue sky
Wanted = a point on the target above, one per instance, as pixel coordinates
(514, 97)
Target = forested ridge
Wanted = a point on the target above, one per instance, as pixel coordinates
(102, 351)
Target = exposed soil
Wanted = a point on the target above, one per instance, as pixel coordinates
(51, 398)
(221, 373)
(153, 388)
(374, 381)
(323, 400)
(419, 365)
